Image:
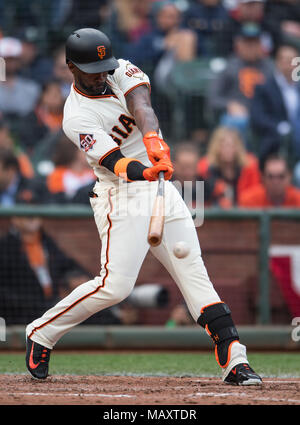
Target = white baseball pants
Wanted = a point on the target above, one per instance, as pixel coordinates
(122, 215)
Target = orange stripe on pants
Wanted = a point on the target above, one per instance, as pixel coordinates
(98, 288)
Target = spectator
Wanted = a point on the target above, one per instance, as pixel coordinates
(6, 141)
(275, 108)
(46, 118)
(247, 11)
(275, 190)
(282, 19)
(128, 22)
(227, 169)
(208, 19)
(166, 43)
(34, 65)
(32, 269)
(297, 174)
(231, 93)
(18, 95)
(180, 316)
(61, 72)
(13, 186)
(185, 175)
(71, 171)
(158, 51)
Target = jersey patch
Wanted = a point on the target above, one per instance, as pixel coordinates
(134, 71)
(86, 141)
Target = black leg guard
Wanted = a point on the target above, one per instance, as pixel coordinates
(217, 321)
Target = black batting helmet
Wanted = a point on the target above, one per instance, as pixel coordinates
(90, 50)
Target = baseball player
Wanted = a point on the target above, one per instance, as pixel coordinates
(108, 115)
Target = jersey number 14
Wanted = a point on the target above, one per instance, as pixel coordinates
(122, 133)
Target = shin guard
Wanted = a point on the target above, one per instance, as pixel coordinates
(217, 321)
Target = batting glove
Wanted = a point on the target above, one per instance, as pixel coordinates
(156, 148)
(152, 173)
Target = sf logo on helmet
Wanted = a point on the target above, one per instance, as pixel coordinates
(101, 51)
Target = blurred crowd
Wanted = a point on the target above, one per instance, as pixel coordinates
(225, 85)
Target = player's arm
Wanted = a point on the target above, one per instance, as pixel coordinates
(139, 105)
(130, 169)
(101, 149)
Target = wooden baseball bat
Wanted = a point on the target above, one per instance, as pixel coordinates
(156, 226)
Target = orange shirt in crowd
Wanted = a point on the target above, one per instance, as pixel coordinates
(62, 179)
(249, 177)
(256, 197)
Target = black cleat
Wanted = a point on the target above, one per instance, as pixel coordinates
(37, 359)
(242, 374)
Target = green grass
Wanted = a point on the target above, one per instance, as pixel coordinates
(171, 364)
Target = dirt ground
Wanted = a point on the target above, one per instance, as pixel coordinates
(116, 390)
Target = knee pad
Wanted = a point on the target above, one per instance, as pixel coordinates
(217, 321)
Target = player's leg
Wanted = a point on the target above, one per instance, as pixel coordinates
(201, 298)
(122, 254)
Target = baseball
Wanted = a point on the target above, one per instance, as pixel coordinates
(181, 249)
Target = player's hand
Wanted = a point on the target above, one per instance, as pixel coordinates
(151, 173)
(157, 149)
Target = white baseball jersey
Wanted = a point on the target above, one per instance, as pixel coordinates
(99, 125)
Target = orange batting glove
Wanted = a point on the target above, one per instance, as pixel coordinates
(156, 148)
(152, 173)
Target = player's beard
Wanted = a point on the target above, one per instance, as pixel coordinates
(94, 89)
